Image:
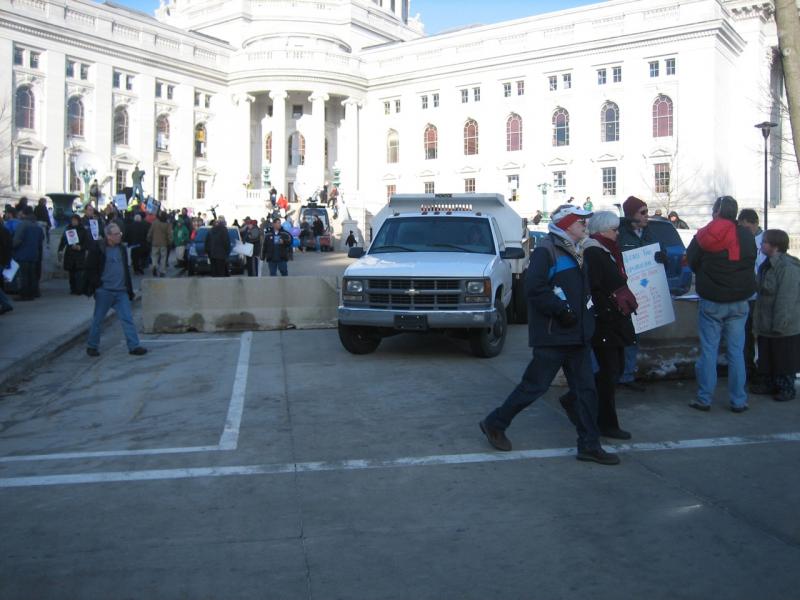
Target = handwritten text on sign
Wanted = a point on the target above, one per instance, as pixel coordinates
(648, 282)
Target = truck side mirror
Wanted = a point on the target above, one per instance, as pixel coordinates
(355, 252)
(512, 253)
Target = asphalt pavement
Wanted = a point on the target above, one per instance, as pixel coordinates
(277, 465)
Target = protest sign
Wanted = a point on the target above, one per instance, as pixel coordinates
(94, 227)
(648, 282)
(72, 236)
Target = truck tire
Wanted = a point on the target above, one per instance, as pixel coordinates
(488, 343)
(520, 300)
(358, 340)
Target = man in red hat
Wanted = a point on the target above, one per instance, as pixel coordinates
(560, 329)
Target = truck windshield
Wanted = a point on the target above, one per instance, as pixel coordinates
(434, 234)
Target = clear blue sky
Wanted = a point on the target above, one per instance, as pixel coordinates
(440, 15)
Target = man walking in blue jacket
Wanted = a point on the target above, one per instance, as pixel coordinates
(560, 328)
(28, 247)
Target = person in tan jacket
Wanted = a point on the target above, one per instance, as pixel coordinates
(160, 238)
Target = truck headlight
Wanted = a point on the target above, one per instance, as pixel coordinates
(479, 288)
(354, 286)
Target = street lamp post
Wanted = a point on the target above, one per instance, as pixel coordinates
(87, 174)
(766, 128)
(543, 188)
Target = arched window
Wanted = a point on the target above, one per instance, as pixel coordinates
(268, 148)
(392, 147)
(514, 133)
(431, 141)
(121, 126)
(200, 140)
(162, 133)
(25, 109)
(560, 127)
(609, 122)
(662, 116)
(75, 116)
(297, 149)
(470, 137)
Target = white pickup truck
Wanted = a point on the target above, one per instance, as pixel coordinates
(453, 263)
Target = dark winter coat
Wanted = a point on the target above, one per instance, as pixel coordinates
(612, 328)
(284, 249)
(628, 240)
(554, 265)
(5, 247)
(777, 311)
(218, 244)
(74, 260)
(28, 241)
(136, 233)
(96, 263)
(719, 279)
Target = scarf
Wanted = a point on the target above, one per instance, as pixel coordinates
(613, 249)
(563, 240)
(720, 235)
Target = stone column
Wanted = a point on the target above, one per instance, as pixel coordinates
(315, 155)
(279, 141)
(244, 124)
(350, 155)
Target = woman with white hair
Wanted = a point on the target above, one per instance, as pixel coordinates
(613, 304)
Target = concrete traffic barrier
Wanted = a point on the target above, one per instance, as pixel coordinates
(671, 351)
(178, 305)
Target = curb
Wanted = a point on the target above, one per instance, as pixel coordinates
(48, 351)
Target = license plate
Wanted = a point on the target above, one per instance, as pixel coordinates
(411, 322)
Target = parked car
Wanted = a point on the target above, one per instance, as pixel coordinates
(198, 262)
(307, 214)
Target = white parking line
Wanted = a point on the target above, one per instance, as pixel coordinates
(193, 340)
(107, 454)
(360, 465)
(230, 434)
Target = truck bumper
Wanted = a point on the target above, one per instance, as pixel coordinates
(366, 317)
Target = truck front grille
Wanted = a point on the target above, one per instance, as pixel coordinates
(415, 294)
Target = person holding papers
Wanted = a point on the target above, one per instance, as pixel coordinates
(74, 245)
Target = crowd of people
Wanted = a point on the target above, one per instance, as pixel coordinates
(580, 307)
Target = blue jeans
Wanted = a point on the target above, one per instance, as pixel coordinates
(716, 320)
(546, 361)
(629, 368)
(4, 301)
(317, 242)
(119, 301)
(274, 267)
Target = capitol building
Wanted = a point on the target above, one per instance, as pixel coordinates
(217, 101)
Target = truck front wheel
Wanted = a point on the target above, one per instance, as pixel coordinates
(359, 340)
(488, 343)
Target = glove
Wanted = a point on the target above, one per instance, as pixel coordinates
(567, 317)
(625, 300)
(660, 257)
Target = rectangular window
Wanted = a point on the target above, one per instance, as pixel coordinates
(129, 82)
(436, 101)
(70, 68)
(464, 96)
(74, 179)
(25, 170)
(391, 190)
(617, 74)
(297, 111)
(163, 188)
(654, 68)
(507, 90)
(387, 108)
(201, 189)
(567, 78)
(170, 92)
(476, 94)
(159, 87)
(18, 56)
(424, 102)
(601, 76)
(197, 98)
(670, 66)
(122, 180)
(115, 80)
(397, 106)
(559, 182)
(553, 83)
(610, 181)
(84, 72)
(34, 60)
(208, 102)
(520, 88)
(662, 178)
(469, 185)
(429, 187)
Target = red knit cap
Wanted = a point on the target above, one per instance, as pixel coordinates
(632, 206)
